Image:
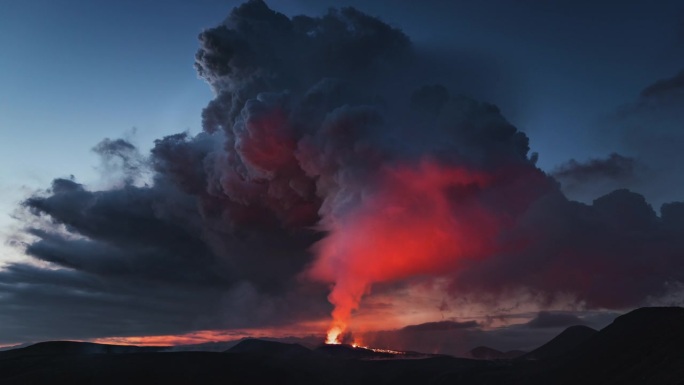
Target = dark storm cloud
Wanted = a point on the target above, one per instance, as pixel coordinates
(616, 253)
(146, 260)
(596, 250)
(651, 131)
(308, 112)
(664, 89)
(615, 167)
(597, 176)
(440, 326)
(40, 304)
(219, 235)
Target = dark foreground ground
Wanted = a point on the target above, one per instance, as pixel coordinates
(645, 346)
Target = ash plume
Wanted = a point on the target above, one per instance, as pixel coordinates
(324, 167)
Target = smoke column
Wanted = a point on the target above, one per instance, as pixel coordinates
(407, 226)
(403, 179)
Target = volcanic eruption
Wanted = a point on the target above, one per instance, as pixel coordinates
(333, 163)
(402, 179)
(405, 226)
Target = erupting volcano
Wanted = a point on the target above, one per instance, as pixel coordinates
(348, 180)
(413, 220)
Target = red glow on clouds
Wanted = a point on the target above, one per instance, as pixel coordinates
(265, 143)
(305, 329)
(417, 220)
(169, 340)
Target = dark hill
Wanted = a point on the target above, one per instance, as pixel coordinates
(76, 348)
(645, 346)
(270, 349)
(563, 343)
(514, 354)
(487, 353)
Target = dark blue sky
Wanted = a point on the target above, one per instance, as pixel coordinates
(76, 71)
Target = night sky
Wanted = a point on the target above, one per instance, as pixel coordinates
(472, 172)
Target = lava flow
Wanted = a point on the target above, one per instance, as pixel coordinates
(387, 351)
(417, 220)
(366, 349)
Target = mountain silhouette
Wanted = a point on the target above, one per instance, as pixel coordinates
(487, 353)
(645, 346)
(269, 349)
(641, 347)
(563, 343)
(51, 348)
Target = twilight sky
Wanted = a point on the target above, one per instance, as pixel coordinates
(596, 88)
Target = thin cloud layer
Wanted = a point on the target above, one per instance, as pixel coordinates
(458, 338)
(546, 319)
(651, 130)
(615, 167)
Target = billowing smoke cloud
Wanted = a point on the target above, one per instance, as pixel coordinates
(593, 251)
(322, 161)
(380, 172)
